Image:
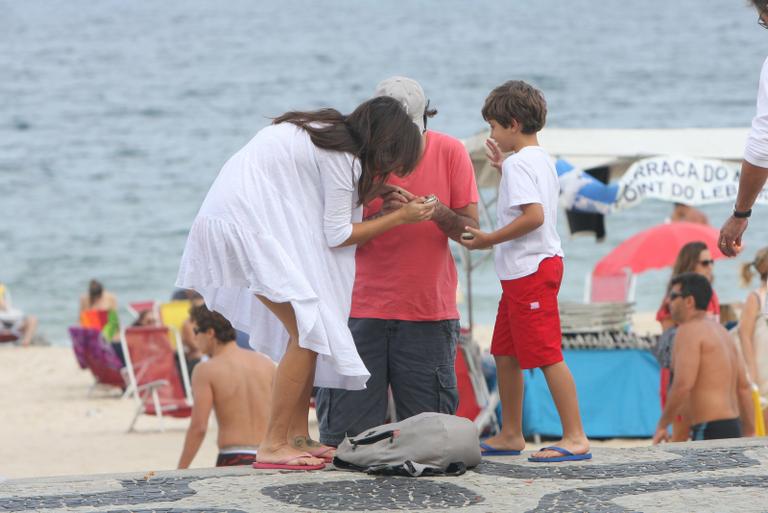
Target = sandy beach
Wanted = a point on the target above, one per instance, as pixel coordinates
(51, 426)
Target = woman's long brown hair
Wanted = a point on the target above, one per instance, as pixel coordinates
(379, 133)
(688, 258)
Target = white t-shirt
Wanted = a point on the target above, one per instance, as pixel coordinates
(528, 176)
(756, 151)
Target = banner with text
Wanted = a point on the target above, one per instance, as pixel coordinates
(681, 180)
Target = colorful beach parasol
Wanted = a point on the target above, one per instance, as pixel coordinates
(657, 248)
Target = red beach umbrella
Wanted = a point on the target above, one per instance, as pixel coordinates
(657, 248)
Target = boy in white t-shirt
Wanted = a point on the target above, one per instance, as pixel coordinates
(529, 262)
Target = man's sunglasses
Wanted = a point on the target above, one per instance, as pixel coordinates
(197, 330)
(674, 295)
(706, 263)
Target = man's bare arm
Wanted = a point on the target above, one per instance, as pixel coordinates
(751, 182)
(201, 410)
(686, 356)
(452, 222)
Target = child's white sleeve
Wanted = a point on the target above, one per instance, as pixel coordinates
(521, 184)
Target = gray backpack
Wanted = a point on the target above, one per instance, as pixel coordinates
(426, 444)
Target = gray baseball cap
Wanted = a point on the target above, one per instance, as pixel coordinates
(409, 93)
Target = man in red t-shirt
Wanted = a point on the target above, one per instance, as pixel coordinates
(404, 318)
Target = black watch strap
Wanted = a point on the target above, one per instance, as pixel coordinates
(742, 214)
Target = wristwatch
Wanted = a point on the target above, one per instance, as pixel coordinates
(742, 214)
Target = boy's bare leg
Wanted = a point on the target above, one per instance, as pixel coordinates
(563, 390)
(294, 371)
(510, 379)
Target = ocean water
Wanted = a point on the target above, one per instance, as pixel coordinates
(116, 116)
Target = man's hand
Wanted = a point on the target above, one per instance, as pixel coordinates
(661, 435)
(494, 154)
(730, 235)
(416, 211)
(481, 239)
(395, 198)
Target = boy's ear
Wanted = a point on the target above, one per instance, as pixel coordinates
(514, 125)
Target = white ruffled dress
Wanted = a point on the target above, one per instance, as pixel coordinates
(270, 225)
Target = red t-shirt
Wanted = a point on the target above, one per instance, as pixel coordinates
(408, 273)
(713, 309)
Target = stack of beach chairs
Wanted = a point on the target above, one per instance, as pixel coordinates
(601, 326)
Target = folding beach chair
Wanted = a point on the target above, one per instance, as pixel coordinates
(173, 314)
(9, 317)
(476, 402)
(98, 357)
(136, 307)
(153, 373)
(78, 335)
(612, 288)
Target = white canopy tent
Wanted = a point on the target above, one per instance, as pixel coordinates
(619, 148)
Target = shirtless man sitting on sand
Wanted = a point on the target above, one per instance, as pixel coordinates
(709, 384)
(236, 383)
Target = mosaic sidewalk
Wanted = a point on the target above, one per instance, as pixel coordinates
(702, 476)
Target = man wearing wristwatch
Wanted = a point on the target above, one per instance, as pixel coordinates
(754, 167)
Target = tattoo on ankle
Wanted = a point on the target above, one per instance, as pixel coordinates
(301, 442)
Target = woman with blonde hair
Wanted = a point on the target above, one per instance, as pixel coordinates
(753, 326)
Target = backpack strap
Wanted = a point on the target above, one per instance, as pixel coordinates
(368, 440)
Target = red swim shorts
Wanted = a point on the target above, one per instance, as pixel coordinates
(528, 321)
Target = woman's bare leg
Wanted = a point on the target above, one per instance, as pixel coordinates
(295, 370)
(298, 433)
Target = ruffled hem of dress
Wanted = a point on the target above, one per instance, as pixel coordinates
(218, 263)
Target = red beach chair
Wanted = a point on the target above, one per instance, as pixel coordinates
(135, 308)
(611, 288)
(153, 373)
(476, 402)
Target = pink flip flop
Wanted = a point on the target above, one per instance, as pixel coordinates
(322, 452)
(285, 465)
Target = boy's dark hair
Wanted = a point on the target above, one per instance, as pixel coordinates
(205, 320)
(696, 285)
(519, 101)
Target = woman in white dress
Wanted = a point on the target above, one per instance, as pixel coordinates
(273, 250)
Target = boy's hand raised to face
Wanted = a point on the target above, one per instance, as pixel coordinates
(479, 240)
(494, 154)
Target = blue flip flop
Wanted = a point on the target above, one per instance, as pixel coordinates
(566, 455)
(487, 450)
